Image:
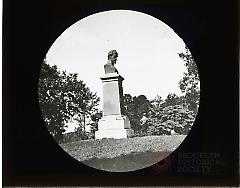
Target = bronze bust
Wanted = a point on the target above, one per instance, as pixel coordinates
(112, 58)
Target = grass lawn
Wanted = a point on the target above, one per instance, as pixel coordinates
(123, 154)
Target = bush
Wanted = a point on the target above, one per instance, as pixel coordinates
(175, 118)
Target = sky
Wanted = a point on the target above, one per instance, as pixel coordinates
(147, 52)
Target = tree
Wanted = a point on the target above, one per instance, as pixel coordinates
(190, 83)
(52, 100)
(62, 97)
(172, 99)
(177, 118)
(135, 107)
(168, 116)
(84, 103)
(156, 107)
(177, 113)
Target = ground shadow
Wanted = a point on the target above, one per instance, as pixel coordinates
(124, 163)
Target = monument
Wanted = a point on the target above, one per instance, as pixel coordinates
(113, 124)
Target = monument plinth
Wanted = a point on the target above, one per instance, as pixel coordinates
(113, 124)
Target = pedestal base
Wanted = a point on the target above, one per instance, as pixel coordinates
(114, 126)
(114, 133)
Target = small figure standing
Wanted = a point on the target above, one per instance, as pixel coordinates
(144, 119)
(112, 59)
(144, 124)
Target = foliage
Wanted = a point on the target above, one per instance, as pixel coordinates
(62, 97)
(80, 134)
(164, 117)
(172, 99)
(84, 103)
(94, 124)
(175, 114)
(171, 119)
(190, 83)
(135, 107)
(52, 100)
(169, 116)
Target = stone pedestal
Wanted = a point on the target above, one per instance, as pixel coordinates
(113, 124)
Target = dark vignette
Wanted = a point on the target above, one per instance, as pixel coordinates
(31, 157)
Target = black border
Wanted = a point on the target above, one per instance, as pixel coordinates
(32, 158)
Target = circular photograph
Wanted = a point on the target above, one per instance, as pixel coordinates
(119, 90)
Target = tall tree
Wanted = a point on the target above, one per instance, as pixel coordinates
(52, 100)
(190, 83)
(84, 103)
(62, 97)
